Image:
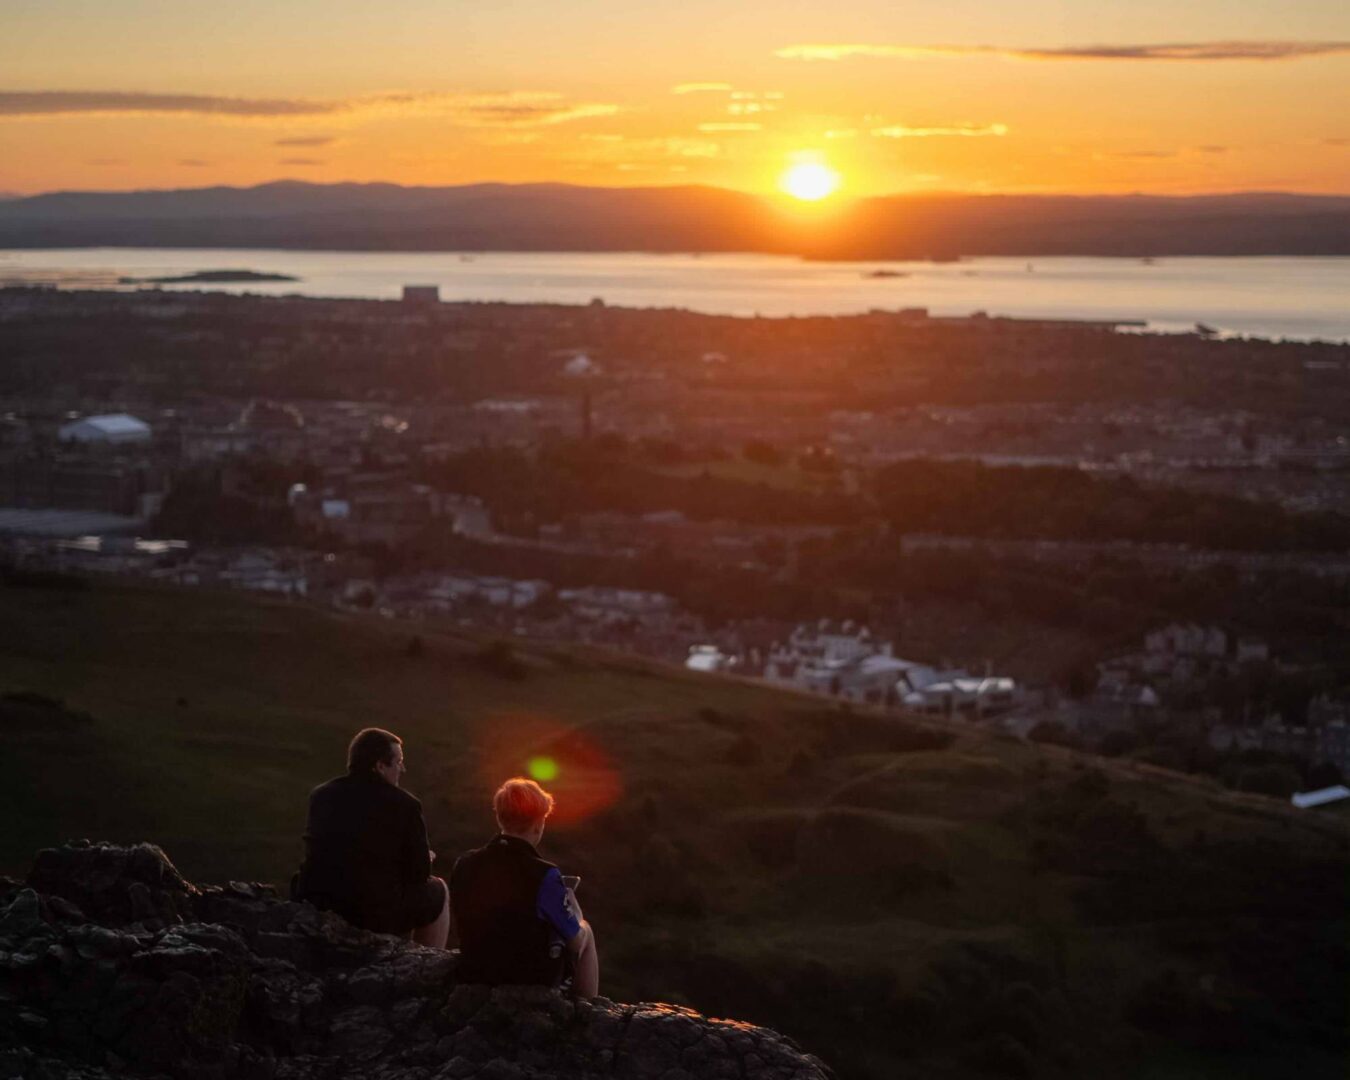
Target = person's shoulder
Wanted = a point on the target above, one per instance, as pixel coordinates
(467, 859)
(406, 799)
(330, 787)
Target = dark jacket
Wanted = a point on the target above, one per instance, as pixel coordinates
(366, 853)
(494, 897)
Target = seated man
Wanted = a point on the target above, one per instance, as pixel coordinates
(366, 854)
(512, 911)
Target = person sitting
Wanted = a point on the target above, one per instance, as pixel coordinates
(366, 853)
(514, 915)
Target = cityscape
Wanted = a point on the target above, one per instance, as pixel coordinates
(701, 542)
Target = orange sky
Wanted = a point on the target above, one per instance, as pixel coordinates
(963, 95)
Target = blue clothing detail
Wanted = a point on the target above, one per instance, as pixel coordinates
(554, 906)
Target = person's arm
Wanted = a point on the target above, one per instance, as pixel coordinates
(557, 905)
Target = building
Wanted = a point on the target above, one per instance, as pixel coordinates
(421, 294)
(108, 429)
(1304, 800)
(964, 694)
(842, 660)
(708, 658)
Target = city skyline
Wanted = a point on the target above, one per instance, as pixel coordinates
(962, 96)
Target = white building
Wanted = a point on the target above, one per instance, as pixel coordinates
(109, 429)
(1307, 799)
(708, 658)
(964, 694)
(605, 603)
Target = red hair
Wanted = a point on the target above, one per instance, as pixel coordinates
(520, 803)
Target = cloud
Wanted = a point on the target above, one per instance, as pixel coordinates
(306, 140)
(1337, 142)
(700, 87)
(195, 163)
(505, 108)
(1145, 154)
(526, 113)
(1203, 50)
(77, 102)
(644, 153)
(730, 127)
(1212, 149)
(899, 131)
(300, 161)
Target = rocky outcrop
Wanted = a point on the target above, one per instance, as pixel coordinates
(111, 963)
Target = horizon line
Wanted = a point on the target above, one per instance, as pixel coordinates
(18, 196)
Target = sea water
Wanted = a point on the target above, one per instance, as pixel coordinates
(1272, 297)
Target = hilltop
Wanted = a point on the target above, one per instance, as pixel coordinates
(900, 898)
(563, 217)
(115, 963)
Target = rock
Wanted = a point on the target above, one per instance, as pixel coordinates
(111, 963)
(114, 885)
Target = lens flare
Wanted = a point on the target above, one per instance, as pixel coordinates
(571, 763)
(542, 769)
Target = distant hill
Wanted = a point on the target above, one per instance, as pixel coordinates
(903, 898)
(559, 217)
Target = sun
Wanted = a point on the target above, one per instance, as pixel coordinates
(809, 181)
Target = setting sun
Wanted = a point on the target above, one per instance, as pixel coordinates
(809, 181)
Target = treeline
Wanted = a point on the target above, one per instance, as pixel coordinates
(1046, 503)
(611, 474)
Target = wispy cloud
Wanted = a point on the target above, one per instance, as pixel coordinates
(68, 102)
(505, 108)
(195, 163)
(1202, 50)
(1212, 149)
(300, 161)
(1145, 154)
(526, 113)
(306, 140)
(899, 131)
(700, 87)
(736, 126)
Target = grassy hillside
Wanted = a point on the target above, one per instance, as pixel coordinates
(905, 900)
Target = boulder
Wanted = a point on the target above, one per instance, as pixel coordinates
(111, 963)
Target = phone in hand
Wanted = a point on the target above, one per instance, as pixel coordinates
(571, 881)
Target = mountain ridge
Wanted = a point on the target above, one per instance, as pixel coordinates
(566, 217)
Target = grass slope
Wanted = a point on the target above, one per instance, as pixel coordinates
(903, 899)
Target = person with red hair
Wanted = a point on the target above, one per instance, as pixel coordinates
(517, 919)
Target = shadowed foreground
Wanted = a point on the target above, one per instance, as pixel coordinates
(111, 962)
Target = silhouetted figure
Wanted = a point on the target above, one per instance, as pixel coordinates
(366, 853)
(516, 918)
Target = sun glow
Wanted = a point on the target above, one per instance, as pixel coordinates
(809, 181)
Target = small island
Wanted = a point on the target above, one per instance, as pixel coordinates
(886, 274)
(208, 277)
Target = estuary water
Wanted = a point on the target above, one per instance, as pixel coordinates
(1272, 297)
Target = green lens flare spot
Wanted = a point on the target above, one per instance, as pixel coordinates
(542, 769)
